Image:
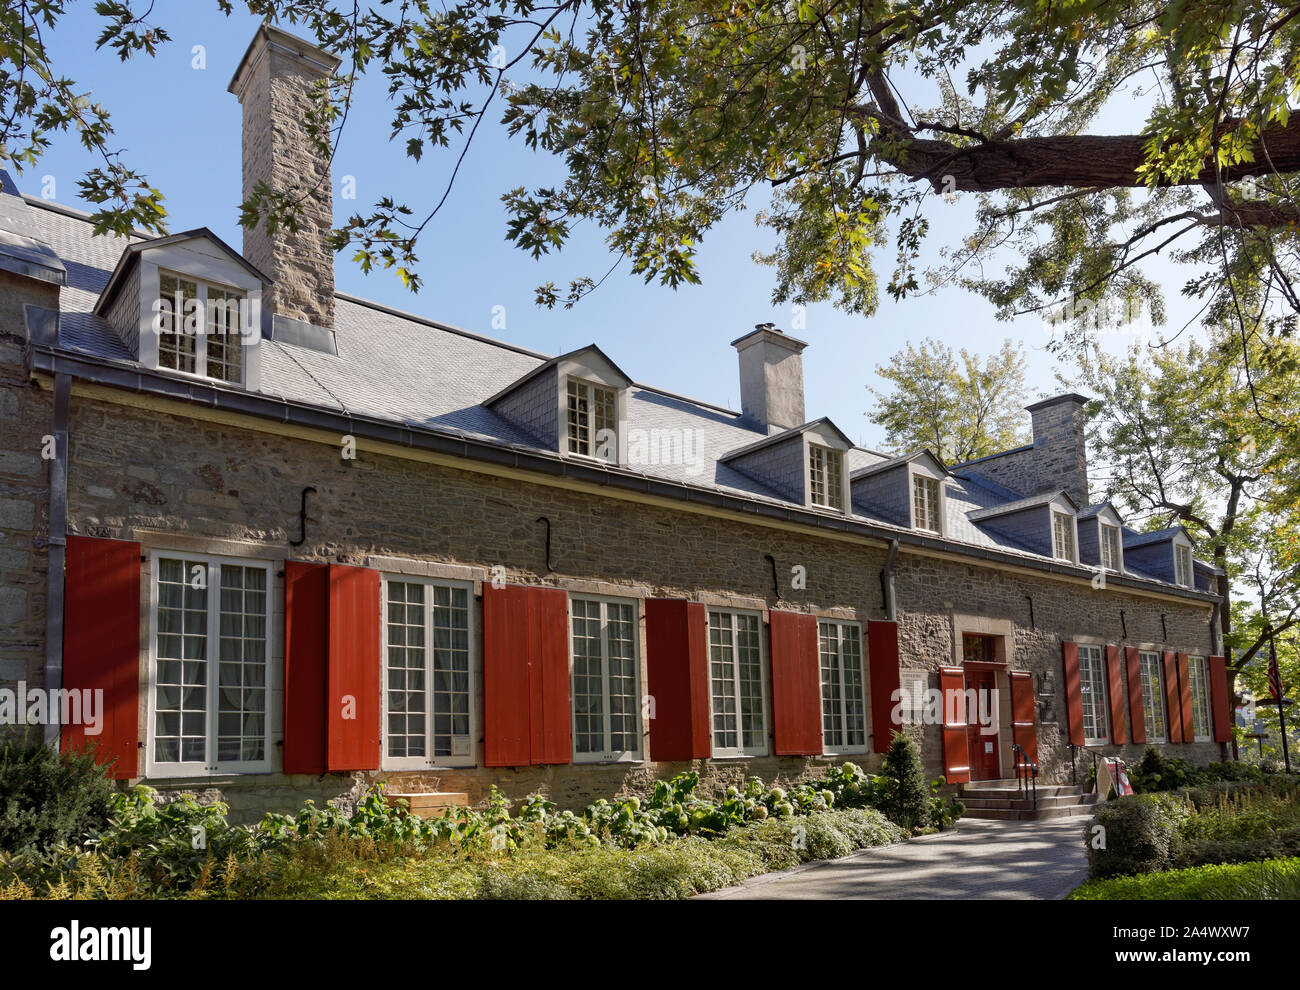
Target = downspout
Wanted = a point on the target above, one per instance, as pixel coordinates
(57, 552)
(887, 582)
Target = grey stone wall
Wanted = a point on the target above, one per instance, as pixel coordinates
(1056, 461)
(137, 471)
(26, 413)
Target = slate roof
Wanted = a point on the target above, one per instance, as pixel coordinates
(407, 369)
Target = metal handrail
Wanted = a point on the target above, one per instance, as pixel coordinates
(1026, 773)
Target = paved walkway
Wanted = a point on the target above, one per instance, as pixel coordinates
(980, 859)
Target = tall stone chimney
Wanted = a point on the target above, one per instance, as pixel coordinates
(1060, 455)
(771, 378)
(277, 84)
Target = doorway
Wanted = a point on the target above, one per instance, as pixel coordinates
(985, 761)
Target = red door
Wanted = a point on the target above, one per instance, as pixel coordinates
(985, 763)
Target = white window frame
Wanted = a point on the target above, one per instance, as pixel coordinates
(209, 765)
(925, 479)
(1184, 569)
(1153, 696)
(429, 760)
(1069, 532)
(202, 284)
(829, 463)
(1200, 690)
(839, 625)
(1104, 549)
(723, 752)
(608, 754)
(589, 389)
(1100, 714)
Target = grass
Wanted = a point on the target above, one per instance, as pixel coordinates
(1271, 880)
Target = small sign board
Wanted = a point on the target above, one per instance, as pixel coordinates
(1111, 775)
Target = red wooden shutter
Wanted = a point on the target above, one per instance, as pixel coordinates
(551, 738)
(882, 657)
(1185, 698)
(1173, 700)
(956, 758)
(352, 701)
(1024, 714)
(1217, 672)
(1115, 688)
(678, 679)
(506, 740)
(796, 685)
(1136, 714)
(1073, 693)
(101, 646)
(526, 718)
(306, 665)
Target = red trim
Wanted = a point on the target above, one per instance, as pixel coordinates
(796, 684)
(1073, 693)
(1217, 674)
(1133, 667)
(1115, 688)
(956, 756)
(551, 730)
(676, 633)
(353, 699)
(882, 656)
(1024, 713)
(101, 646)
(1185, 698)
(306, 663)
(1173, 699)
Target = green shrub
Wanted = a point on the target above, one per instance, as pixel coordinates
(905, 792)
(48, 799)
(1156, 772)
(1275, 879)
(1140, 834)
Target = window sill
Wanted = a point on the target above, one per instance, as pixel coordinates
(739, 757)
(628, 761)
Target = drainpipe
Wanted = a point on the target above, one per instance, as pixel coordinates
(887, 582)
(57, 551)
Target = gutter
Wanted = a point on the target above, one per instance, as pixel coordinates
(887, 582)
(57, 551)
(523, 458)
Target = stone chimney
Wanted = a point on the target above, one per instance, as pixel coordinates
(1060, 456)
(771, 378)
(277, 84)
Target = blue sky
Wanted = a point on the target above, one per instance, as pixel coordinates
(181, 127)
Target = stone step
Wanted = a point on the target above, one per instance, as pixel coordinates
(1029, 815)
(1009, 786)
(430, 804)
(1027, 803)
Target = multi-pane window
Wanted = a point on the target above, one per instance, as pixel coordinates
(1062, 536)
(210, 665)
(592, 420)
(979, 648)
(925, 503)
(736, 683)
(826, 483)
(1092, 691)
(211, 346)
(1200, 699)
(1153, 696)
(844, 701)
(1110, 554)
(1182, 565)
(606, 699)
(427, 692)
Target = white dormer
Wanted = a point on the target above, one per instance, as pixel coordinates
(926, 496)
(189, 305)
(574, 404)
(1065, 531)
(1184, 572)
(828, 482)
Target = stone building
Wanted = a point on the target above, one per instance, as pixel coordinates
(302, 541)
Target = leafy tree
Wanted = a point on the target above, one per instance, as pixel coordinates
(960, 411)
(906, 795)
(1182, 435)
(844, 120)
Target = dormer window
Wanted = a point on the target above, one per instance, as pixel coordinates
(199, 328)
(1110, 548)
(593, 420)
(925, 503)
(1183, 565)
(1063, 536)
(826, 477)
